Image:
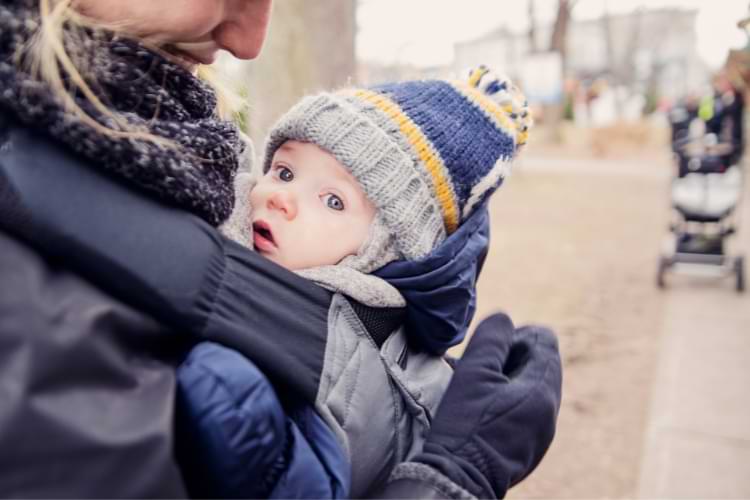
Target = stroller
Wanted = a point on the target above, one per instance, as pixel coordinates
(705, 196)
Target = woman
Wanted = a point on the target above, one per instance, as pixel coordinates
(107, 86)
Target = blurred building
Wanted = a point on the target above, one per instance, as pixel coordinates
(373, 73)
(645, 51)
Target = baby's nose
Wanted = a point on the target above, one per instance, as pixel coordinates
(285, 202)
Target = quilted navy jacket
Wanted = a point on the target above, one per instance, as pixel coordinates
(235, 439)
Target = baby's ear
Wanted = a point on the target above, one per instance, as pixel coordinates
(239, 225)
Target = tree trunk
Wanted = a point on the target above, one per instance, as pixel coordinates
(613, 63)
(532, 27)
(558, 43)
(559, 39)
(310, 47)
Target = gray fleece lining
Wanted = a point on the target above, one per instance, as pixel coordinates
(238, 227)
(426, 474)
(366, 289)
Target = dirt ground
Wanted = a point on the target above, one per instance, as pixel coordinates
(575, 244)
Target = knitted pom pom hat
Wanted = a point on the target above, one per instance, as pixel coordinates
(425, 152)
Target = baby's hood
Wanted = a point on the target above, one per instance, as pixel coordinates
(440, 289)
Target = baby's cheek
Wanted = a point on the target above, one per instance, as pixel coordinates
(357, 234)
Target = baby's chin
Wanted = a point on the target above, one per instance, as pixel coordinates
(278, 260)
(296, 265)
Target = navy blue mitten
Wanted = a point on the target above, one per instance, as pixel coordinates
(498, 416)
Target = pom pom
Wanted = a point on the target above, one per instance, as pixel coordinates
(507, 96)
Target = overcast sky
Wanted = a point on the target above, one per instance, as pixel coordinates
(422, 32)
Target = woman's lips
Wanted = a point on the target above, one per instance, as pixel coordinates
(190, 59)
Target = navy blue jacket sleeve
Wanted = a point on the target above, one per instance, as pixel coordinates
(236, 440)
(316, 457)
(163, 260)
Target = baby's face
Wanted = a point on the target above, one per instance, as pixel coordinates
(308, 210)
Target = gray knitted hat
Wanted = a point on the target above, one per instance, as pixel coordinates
(425, 152)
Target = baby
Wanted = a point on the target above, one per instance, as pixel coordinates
(379, 196)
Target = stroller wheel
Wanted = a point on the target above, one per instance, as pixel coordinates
(661, 271)
(739, 269)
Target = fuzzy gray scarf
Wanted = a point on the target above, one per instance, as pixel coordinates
(149, 92)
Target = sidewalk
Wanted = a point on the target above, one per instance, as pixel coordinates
(698, 437)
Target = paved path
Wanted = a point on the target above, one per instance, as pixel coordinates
(697, 443)
(657, 383)
(695, 437)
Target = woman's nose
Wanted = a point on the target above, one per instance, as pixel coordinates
(244, 31)
(285, 202)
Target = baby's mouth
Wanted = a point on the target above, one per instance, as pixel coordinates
(262, 236)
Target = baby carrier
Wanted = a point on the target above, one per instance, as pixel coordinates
(705, 195)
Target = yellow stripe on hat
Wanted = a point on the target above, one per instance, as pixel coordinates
(425, 151)
(477, 75)
(490, 108)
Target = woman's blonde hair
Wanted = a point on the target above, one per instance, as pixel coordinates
(55, 57)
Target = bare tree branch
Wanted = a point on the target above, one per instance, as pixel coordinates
(559, 38)
(532, 27)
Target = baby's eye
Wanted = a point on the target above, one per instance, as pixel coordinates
(284, 173)
(334, 202)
